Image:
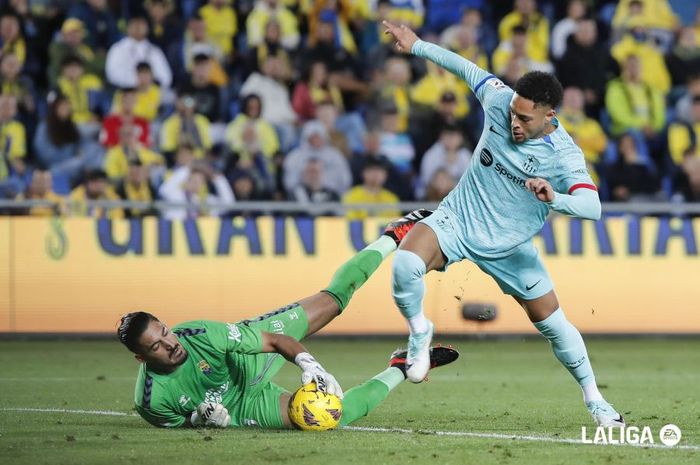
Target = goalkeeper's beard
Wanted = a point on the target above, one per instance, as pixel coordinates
(168, 368)
(178, 351)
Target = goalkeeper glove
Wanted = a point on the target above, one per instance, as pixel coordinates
(210, 414)
(313, 371)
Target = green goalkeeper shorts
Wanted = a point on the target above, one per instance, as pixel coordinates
(260, 397)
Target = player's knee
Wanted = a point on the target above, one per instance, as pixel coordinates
(407, 269)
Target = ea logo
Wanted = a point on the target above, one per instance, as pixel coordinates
(670, 435)
(486, 157)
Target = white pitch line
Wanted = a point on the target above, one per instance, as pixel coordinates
(110, 413)
(380, 430)
(505, 436)
(26, 379)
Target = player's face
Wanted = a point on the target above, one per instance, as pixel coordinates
(528, 121)
(160, 347)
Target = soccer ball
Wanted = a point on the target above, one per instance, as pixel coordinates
(313, 410)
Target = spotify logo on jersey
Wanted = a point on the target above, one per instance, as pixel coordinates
(486, 157)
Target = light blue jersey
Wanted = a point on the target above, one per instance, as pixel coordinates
(497, 214)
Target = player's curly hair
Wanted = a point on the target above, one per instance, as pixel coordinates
(131, 327)
(540, 87)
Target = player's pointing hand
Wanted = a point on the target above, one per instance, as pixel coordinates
(542, 189)
(403, 35)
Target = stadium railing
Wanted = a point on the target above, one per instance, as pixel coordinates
(324, 208)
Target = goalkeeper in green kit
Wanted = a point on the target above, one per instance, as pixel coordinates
(207, 373)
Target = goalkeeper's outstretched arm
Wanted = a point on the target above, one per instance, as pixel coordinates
(408, 42)
(292, 350)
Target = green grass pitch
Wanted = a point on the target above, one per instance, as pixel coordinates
(514, 388)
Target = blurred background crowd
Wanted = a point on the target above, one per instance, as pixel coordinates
(208, 103)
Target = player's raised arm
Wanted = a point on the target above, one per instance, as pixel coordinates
(406, 41)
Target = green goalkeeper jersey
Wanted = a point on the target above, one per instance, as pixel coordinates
(218, 369)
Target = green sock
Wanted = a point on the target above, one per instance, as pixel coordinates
(353, 273)
(362, 399)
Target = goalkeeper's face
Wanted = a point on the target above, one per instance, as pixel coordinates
(160, 348)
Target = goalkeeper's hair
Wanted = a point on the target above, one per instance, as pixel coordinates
(540, 87)
(131, 327)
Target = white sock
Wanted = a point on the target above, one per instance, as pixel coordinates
(384, 245)
(418, 323)
(391, 377)
(591, 392)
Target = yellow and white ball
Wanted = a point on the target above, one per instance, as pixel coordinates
(313, 410)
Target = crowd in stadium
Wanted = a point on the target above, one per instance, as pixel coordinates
(218, 101)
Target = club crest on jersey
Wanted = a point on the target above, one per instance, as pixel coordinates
(531, 164)
(204, 366)
(496, 84)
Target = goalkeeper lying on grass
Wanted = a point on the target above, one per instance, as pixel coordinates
(207, 373)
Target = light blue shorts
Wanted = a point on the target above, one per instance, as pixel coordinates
(521, 274)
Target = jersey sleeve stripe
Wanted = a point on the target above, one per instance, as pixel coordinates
(582, 185)
(483, 81)
(187, 332)
(147, 390)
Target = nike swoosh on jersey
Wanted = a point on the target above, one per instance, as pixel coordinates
(494, 131)
(530, 287)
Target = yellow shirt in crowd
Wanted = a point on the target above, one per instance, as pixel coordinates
(78, 93)
(656, 14)
(436, 82)
(258, 18)
(400, 96)
(359, 194)
(17, 48)
(13, 144)
(680, 140)
(537, 42)
(58, 200)
(78, 204)
(654, 70)
(587, 133)
(267, 136)
(147, 103)
(117, 161)
(221, 25)
(171, 135)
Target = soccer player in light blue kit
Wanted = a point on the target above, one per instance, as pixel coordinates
(525, 165)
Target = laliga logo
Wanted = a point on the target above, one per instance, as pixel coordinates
(669, 435)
